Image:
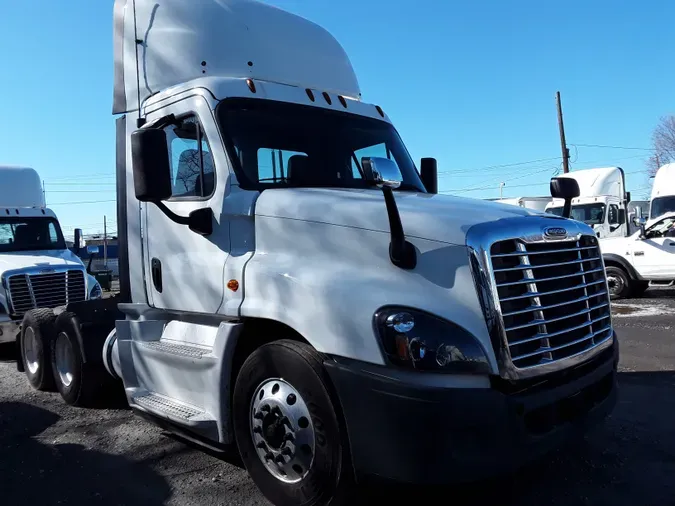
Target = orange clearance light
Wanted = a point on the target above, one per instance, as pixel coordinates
(233, 285)
(251, 85)
(402, 347)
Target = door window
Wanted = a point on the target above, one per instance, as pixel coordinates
(192, 169)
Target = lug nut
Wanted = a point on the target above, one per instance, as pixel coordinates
(287, 451)
(269, 456)
(285, 421)
(265, 409)
(261, 445)
(280, 459)
(257, 429)
(276, 410)
(289, 436)
(259, 415)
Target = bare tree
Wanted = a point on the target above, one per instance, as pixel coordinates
(663, 140)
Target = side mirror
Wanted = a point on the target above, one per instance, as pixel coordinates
(638, 212)
(429, 174)
(382, 171)
(92, 250)
(567, 189)
(78, 242)
(622, 217)
(152, 171)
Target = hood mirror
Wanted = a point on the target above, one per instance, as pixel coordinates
(567, 189)
(92, 250)
(382, 171)
(384, 174)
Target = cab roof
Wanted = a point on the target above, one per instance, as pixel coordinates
(175, 41)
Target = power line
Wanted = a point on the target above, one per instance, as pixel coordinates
(83, 202)
(493, 167)
(611, 147)
(79, 184)
(80, 191)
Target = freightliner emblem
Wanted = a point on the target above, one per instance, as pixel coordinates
(555, 232)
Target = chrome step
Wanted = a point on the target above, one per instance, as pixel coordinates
(184, 350)
(171, 409)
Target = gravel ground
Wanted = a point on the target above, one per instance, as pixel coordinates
(54, 454)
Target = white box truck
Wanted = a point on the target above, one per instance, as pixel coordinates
(37, 270)
(291, 283)
(602, 202)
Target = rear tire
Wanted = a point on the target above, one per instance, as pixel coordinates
(620, 284)
(295, 449)
(37, 337)
(77, 382)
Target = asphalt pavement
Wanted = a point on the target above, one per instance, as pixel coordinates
(53, 454)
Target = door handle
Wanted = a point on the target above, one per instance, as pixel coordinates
(156, 270)
(671, 243)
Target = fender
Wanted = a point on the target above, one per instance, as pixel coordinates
(94, 320)
(612, 258)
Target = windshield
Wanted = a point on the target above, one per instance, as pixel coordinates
(29, 234)
(662, 205)
(591, 214)
(275, 144)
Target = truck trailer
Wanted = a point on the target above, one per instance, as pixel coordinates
(293, 285)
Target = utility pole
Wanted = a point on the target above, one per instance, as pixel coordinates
(561, 127)
(105, 243)
(501, 189)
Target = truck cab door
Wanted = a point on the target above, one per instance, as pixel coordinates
(184, 270)
(654, 255)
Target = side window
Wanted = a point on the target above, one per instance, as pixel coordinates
(53, 236)
(379, 150)
(192, 172)
(273, 164)
(613, 216)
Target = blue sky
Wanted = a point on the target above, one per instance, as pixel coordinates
(471, 83)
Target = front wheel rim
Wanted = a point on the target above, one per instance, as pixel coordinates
(615, 284)
(282, 430)
(64, 359)
(30, 350)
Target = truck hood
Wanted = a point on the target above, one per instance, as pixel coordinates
(32, 259)
(436, 217)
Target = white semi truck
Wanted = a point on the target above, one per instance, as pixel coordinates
(290, 282)
(37, 270)
(662, 199)
(602, 202)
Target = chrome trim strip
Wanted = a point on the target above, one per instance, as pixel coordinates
(527, 229)
(544, 280)
(559, 318)
(545, 266)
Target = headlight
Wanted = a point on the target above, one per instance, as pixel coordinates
(421, 341)
(95, 292)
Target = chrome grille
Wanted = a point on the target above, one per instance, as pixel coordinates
(48, 290)
(553, 298)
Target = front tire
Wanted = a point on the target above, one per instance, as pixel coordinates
(37, 336)
(288, 428)
(619, 282)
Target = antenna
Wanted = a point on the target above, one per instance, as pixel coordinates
(140, 121)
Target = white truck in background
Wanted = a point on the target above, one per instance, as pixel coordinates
(37, 270)
(643, 259)
(602, 203)
(292, 284)
(662, 200)
(535, 203)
